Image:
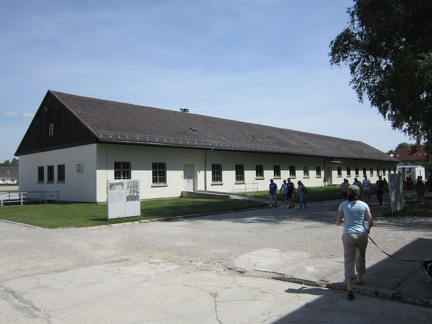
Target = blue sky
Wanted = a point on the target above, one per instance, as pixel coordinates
(259, 61)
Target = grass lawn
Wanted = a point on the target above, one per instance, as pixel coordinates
(415, 209)
(86, 215)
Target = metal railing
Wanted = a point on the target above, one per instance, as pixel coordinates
(28, 196)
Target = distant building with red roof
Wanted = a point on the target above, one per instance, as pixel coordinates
(413, 161)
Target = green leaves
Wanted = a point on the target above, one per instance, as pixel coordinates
(388, 48)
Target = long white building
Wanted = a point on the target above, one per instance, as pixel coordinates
(75, 144)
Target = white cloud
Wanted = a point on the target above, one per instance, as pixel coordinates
(11, 113)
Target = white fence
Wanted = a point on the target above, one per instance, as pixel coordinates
(22, 197)
(248, 187)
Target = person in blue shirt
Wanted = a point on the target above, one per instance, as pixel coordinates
(273, 193)
(352, 213)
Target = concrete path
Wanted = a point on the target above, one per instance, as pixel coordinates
(213, 269)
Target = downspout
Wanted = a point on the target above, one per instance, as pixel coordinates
(205, 168)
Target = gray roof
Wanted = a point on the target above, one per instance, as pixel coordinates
(9, 172)
(117, 122)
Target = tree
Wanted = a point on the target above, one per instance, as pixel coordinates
(388, 48)
(7, 163)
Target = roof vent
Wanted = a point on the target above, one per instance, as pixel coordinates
(185, 110)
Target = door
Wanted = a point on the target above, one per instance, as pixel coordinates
(328, 176)
(189, 177)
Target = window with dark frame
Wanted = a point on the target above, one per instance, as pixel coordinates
(50, 173)
(41, 174)
(61, 173)
(276, 171)
(318, 171)
(122, 170)
(259, 171)
(159, 173)
(239, 173)
(371, 172)
(216, 172)
(356, 171)
(306, 172)
(339, 172)
(292, 171)
(348, 171)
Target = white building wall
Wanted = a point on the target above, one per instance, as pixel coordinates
(78, 186)
(97, 163)
(141, 158)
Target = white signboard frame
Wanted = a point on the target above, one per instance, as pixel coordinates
(123, 198)
(396, 192)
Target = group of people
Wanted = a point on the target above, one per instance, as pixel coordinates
(365, 188)
(287, 189)
(419, 186)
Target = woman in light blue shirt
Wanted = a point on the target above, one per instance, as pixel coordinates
(352, 214)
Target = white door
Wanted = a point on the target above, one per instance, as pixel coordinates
(189, 177)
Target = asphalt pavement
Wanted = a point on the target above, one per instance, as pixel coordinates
(255, 266)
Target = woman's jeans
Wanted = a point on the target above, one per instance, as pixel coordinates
(302, 201)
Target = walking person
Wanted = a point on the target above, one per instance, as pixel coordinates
(273, 193)
(290, 193)
(366, 188)
(302, 191)
(344, 186)
(380, 187)
(358, 184)
(284, 190)
(408, 187)
(352, 213)
(420, 187)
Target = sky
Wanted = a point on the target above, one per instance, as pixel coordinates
(258, 61)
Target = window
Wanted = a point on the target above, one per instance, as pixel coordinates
(371, 172)
(61, 174)
(318, 171)
(50, 173)
(239, 173)
(364, 171)
(356, 172)
(389, 170)
(339, 172)
(276, 171)
(159, 173)
(122, 170)
(348, 172)
(259, 171)
(378, 171)
(384, 170)
(51, 130)
(41, 174)
(216, 172)
(305, 172)
(292, 171)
